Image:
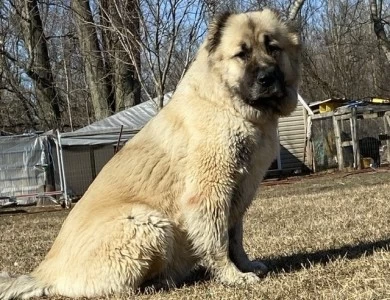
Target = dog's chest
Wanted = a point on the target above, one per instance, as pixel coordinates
(252, 155)
(242, 149)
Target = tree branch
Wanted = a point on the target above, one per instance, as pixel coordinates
(296, 7)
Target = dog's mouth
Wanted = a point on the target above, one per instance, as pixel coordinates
(269, 101)
(266, 103)
(280, 104)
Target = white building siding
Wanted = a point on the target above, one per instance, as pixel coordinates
(292, 139)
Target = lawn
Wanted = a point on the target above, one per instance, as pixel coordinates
(323, 237)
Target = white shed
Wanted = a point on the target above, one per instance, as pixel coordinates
(292, 136)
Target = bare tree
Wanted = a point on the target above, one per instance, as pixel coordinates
(379, 26)
(96, 74)
(37, 64)
(110, 71)
(66, 63)
(341, 55)
(121, 66)
(162, 25)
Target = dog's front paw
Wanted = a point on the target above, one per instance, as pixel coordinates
(248, 278)
(256, 267)
(237, 277)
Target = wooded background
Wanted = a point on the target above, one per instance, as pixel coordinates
(65, 64)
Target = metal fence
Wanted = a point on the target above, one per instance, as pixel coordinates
(27, 168)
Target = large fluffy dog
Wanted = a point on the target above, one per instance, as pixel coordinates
(176, 194)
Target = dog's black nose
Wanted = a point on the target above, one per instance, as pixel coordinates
(266, 77)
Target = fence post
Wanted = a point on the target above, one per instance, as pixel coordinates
(67, 200)
(387, 132)
(355, 141)
(337, 137)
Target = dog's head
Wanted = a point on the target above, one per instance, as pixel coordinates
(256, 55)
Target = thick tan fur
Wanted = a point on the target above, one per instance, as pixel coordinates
(176, 194)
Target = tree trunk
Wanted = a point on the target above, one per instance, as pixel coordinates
(122, 71)
(96, 75)
(39, 68)
(379, 27)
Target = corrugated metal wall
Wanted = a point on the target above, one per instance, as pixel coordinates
(82, 164)
(25, 164)
(292, 139)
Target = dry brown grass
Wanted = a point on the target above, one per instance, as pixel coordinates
(323, 237)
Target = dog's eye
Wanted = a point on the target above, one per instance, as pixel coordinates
(242, 55)
(271, 47)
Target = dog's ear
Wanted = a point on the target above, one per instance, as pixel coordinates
(294, 28)
(215, 31)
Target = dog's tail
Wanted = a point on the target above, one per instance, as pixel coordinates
(22, 287)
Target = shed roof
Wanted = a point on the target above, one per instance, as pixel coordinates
(107, 131)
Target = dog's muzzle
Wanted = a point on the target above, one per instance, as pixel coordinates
(268, 89)
(270, 82)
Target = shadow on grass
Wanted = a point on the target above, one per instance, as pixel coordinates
(13, 212)
(197, 276)
(30, 211)
(298, 261)
(290, 263)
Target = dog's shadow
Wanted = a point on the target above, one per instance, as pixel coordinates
(301, 260)
(304, 260)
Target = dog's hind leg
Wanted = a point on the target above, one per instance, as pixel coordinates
(145, 247)
(116, 253)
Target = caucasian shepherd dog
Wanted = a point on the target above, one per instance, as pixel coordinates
(176, 194)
